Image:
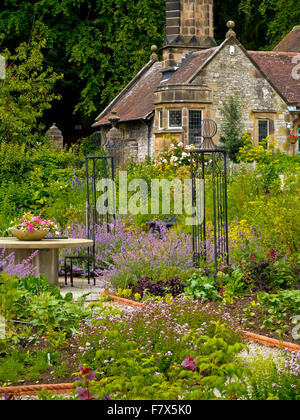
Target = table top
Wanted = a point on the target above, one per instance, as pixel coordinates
(45, 243)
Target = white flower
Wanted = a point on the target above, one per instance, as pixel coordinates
(173, 159)
(189, 147)
(180, 144)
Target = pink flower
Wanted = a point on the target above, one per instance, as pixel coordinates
(31, 228)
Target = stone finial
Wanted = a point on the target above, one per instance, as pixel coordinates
(113, 143)
(114, 135)
(114, 119)
(154, 56)
(56, 135)
(230, 25)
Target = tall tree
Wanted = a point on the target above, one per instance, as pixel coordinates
(25, 94)
(99, 45)
(279, 16)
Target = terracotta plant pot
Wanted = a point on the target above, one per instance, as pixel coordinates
(35, 235)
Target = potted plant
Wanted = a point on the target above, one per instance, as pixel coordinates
(292, 138)
(32, 228)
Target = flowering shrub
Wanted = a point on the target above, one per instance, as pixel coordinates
(160, 328)
(271, 379)
(31, 223)
(22, 270)
(251, 152)
(127, 253)
(175, 155)
(148, 255)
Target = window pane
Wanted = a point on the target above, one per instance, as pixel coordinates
(160, 119)
(263, 129)
(175, 118)
(195, 125)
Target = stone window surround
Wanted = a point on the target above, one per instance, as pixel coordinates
(184, 130)
(267, 126)
(263, 115)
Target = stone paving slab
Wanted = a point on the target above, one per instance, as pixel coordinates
(81, 287)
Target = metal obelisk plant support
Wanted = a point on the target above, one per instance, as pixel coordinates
(208, 164)
(98, 169)
(102, 168)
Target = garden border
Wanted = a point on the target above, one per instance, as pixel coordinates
(33, 389)
(68, 387)
(261, 339)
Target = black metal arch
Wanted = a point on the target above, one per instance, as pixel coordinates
(96, 168)
(208, 164)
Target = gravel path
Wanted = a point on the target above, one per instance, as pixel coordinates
(256, 349)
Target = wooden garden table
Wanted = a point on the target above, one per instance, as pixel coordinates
(46, 261)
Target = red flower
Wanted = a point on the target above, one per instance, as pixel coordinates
(189, 363)
(84, 371)
(273, 254)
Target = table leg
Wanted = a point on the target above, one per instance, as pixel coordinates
(46, 261)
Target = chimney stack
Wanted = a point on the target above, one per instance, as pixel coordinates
(189, 27)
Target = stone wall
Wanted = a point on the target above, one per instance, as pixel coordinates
(231, 72)
(134, 139)
(235, 74)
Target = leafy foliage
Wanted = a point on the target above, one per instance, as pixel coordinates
(147, 286)
(231, 127)
(26, 93)
(100, 45)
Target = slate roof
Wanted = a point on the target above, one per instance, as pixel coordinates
(279, 68)
(190, 66)
(136, 101)
(291, 43)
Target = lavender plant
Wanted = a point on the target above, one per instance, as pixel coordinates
(127, 253)
(22, 270)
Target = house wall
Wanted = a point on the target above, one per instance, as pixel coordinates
(236, 74)
(134, 138)
(225, 75)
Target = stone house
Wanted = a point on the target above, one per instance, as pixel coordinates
(196, 76)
